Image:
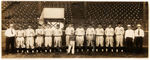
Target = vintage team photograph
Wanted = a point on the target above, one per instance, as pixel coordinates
(74, 29)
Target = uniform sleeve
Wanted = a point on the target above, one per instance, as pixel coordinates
(61, 32)
(14, 32)
(93, 31)
(42, 31)
(86, 31)
(122, 30)
(83, 32)
(66, 31)
(113, 31)
(33, 32)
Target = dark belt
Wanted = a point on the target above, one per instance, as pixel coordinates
(57, 36)
(118, 34)
(99, 35)
(79, 35)
(29, 36)
(109, 36)
(19, 36)
(48, 36)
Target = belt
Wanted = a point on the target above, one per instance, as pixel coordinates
(29, 36)
(99, 35)
(118, 34)
(19, 36)
(57, 36)
(48, 36)
(79, 35)
(109, 36)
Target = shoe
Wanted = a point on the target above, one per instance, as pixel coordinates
(82, 50)
(27, 51)
(87, 49)
(60, 50)
(17, 51)
(32, 51)
(37, 51)
(50, 50)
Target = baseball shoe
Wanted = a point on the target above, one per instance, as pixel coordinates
(96, 50)
(111, 50)
(116, 50)
(102, 50)
(106, 50)
(121, 50)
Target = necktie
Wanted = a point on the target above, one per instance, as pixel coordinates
(11, 31)
(138, 32)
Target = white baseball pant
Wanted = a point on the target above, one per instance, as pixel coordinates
(109, 41)
(57, 42)
(39, 41)
(119, 40)
(71, 45)
(30, 42)
(99, 41)
(48, 41)
(20, 42)
(90, 40)
(79, 40)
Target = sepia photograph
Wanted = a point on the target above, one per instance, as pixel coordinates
(74, 29)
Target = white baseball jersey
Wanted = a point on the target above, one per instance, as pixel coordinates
(69, 30)
(109, 32)
(48, 37)
(80, 31)
(119, 30)
(90, 31)
(99, 31)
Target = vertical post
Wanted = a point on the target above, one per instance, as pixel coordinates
(145, 15)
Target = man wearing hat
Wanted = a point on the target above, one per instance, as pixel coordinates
(48, 31)
(39, 38)
(99, 36)
(10, 39)
(68, 31)
(90, 33)
(139, 35)
(20, 34)
(119, 31)
(57, 37)
(30, 33)
(129, 38)
(80, 32)
(109, 32)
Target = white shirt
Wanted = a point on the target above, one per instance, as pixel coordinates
(69, 30)
(90, 31)
(119, 30)
(29, 32)
(10, 32)
(139, 33)
(20, 33)
(99, 31)
(48, 31)
(109, 32)
(57, 32)
(80, 31)
(39, 31)
(129, 33)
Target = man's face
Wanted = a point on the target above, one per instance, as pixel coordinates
(139, 27)
(119, 25)
(129, 27)
(109, 26)
(100, 26)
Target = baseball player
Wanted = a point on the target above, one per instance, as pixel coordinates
(57, 37)
(90, 32)
(48, 38)
(109, 32)
(99, 32)
(71, 46)
(68, 31)
(119, 31)
(39, 38)
(20, 34)
(80, 32)
(129, 37)
(30, 33)
(139, 35)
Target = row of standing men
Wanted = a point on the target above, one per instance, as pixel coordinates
(74, 38)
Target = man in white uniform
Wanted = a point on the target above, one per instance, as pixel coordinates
(68, 31)
(80, 32)
(109, 32)
(139, 35)
(99, 32)
(30, 33)
(71, 46)
(90, 33)
(39, 38)
(129, 37)
(57, 37)
(48, 38)
(20, 34)
(119, 31)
